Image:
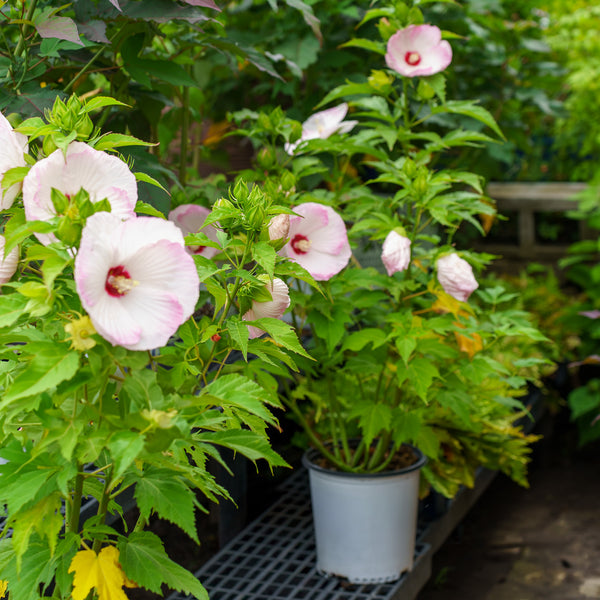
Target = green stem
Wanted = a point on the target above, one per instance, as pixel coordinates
(103, 507)
(406, 103)
(315, 440)
(89, 63)
(76, 502)
(185, 125)
(21, 43)
(383, 445)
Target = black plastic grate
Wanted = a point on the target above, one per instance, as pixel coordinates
(274, 558)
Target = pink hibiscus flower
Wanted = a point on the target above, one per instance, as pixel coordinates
(318, 240)
(12, 147)
(324, 124)
(418, 50)
(135, 279)
(190, 218)
(271, 308)
(98, 173)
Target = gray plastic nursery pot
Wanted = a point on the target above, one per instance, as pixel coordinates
(365, 524)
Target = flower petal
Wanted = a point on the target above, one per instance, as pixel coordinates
(12, 147)
(190, 219)
(8, 263)
(434, 54)
(99, 173)
(164, 280)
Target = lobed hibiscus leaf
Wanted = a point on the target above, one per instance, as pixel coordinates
(264, 254)
(37, 567)
(161, 491)
(145, 561)
(282, 334)
(248, 443)
(421, 373)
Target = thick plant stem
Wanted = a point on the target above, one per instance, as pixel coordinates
(377, 456)
(76, 502)
(103, 507)
(21, 43)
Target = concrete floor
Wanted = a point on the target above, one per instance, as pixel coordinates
(519, 544)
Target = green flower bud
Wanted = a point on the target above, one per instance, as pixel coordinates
(49, 146)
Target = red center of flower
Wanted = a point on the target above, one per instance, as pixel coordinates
(412, 58)
(198, 249)
(300, 244)
(118, 281)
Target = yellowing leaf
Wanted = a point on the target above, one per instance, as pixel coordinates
(469, 344)
(101, 571)
(3, 586)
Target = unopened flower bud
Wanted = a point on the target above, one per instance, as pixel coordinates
(279, 227)
(456, 276)
(396, 252)
(8, 264)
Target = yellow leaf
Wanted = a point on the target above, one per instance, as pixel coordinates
(469, 344)
(101, 571)
(3, 586)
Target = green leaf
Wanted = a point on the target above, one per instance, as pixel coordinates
(161, 491)
(238, 330)
(264, 254)
(357, 340)
(37, 567)
(282, 333)
(240, 392)
(144, 560)
(125, 446)
(252, 445)
(421, 373)
(51, 365)
(374, 418)
(143, 208)
(406, 346)
(345, 90)
(101, 102)
(14, 175)
(371, 45)
(309, 16)
(116, 140)
(470, 109)
(293, 269)
(147, 179)
(45, 518)
(11, 308)
(583, 400)
(20, 488)
(142, 390)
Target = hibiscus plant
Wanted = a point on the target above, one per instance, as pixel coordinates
(120, 376)
(404, 345)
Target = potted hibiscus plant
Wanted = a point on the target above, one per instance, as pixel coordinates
(116, 373)
(401, 346)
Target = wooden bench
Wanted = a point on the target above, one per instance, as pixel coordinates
(528, 200)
